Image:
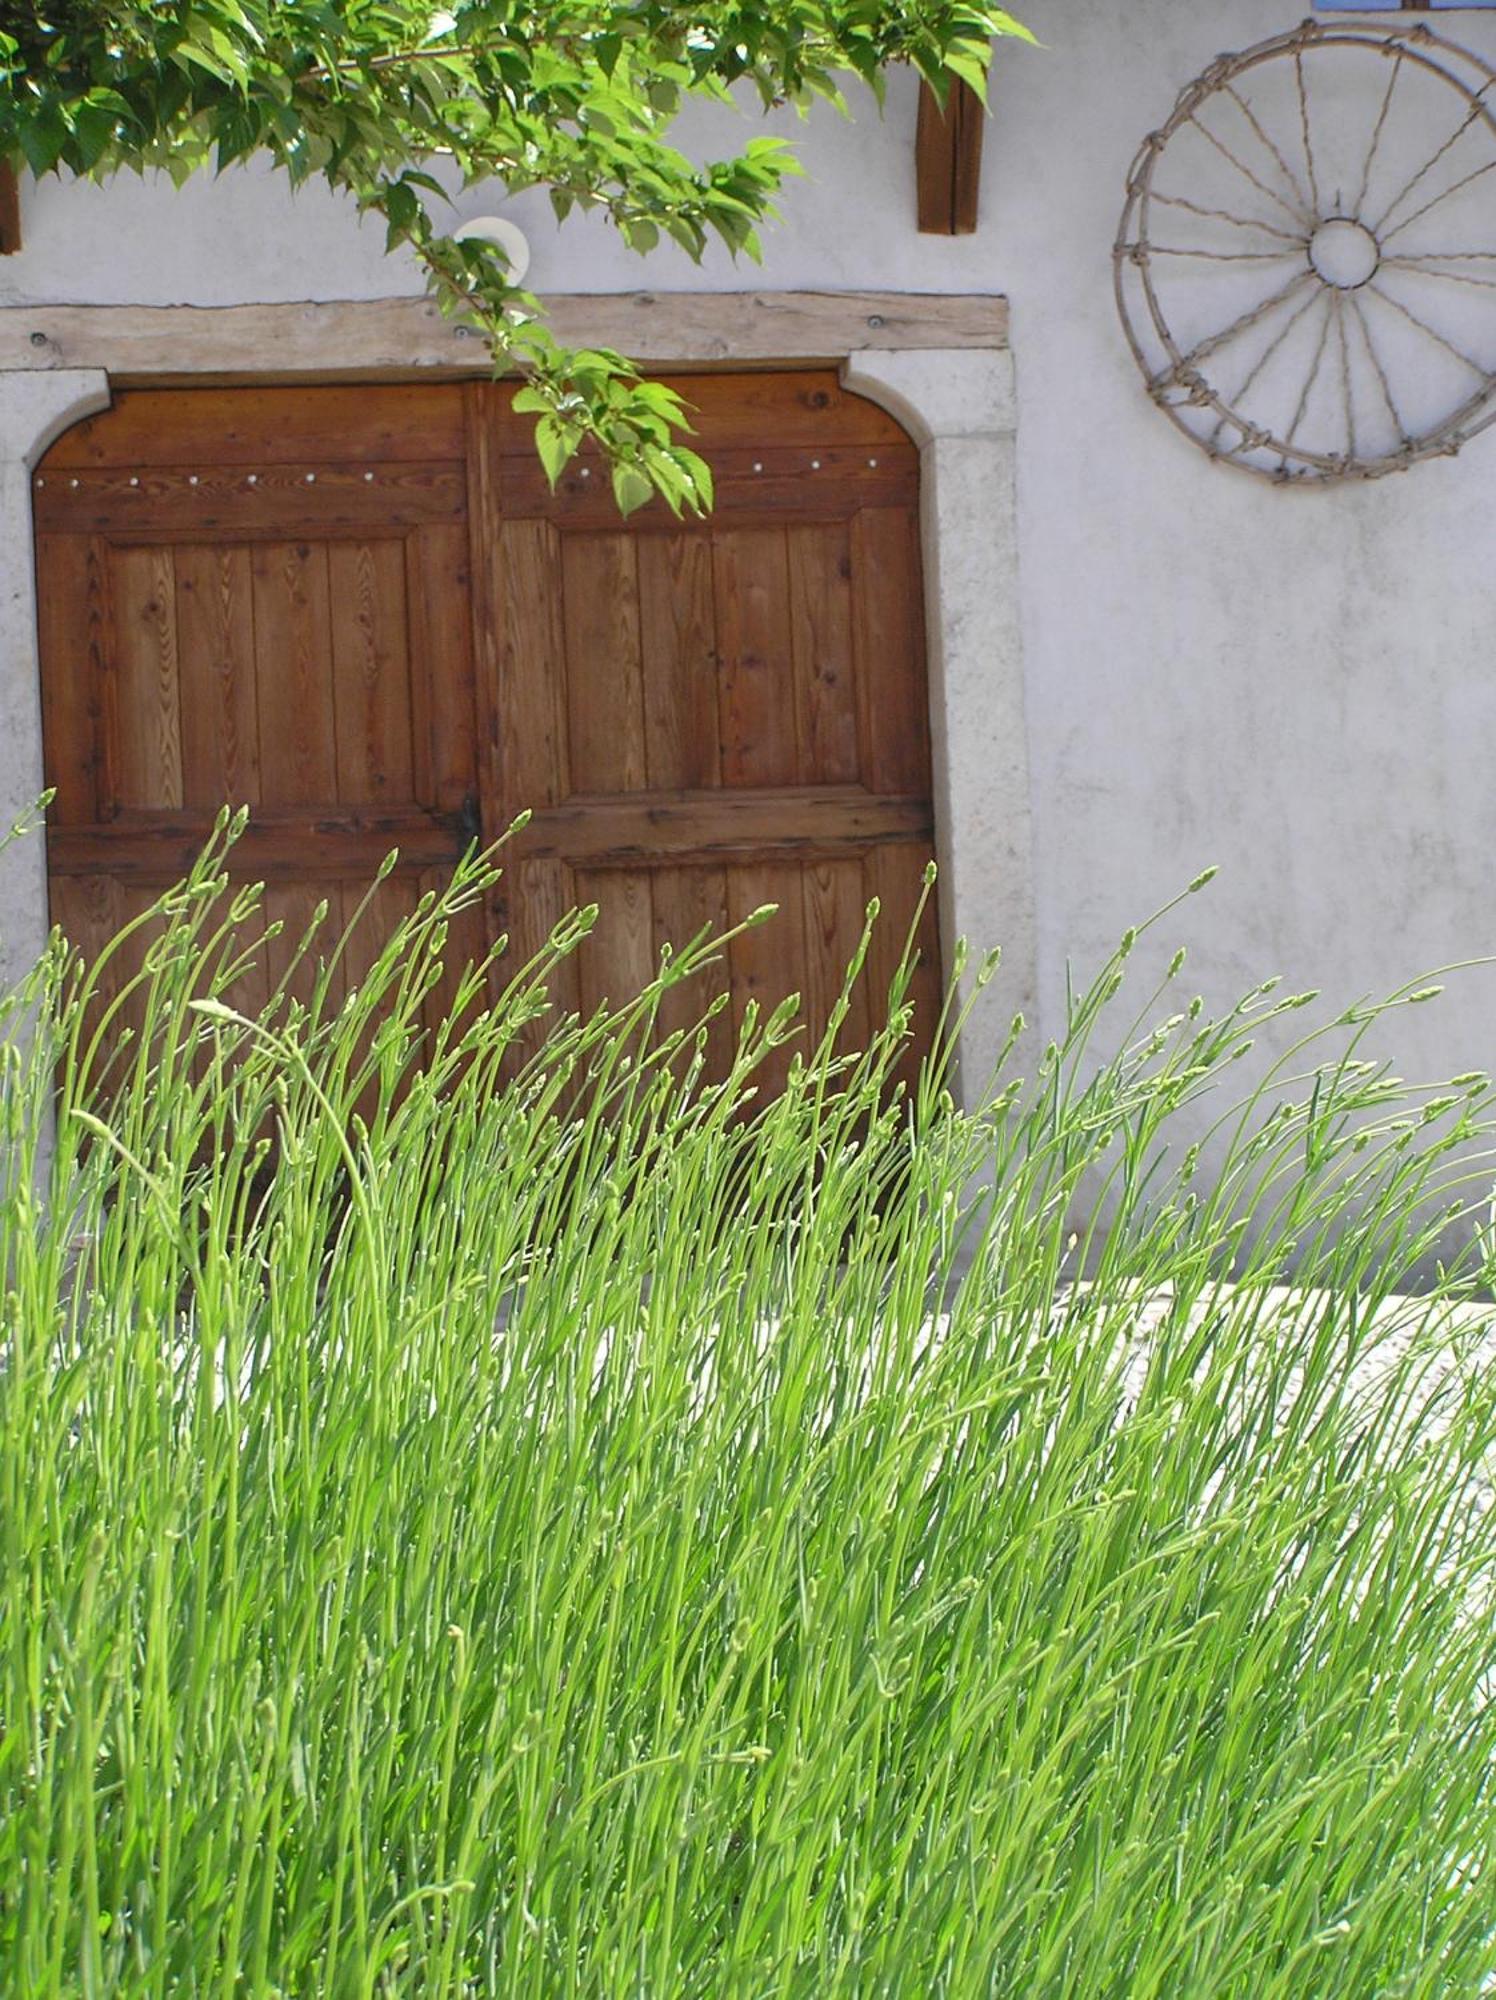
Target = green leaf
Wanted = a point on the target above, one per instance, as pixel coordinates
(632, 489)
(556, 443)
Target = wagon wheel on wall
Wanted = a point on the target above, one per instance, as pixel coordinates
(1306, 263)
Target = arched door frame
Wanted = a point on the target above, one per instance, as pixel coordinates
(957, 403)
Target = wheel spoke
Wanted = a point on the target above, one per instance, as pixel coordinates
(1416, 268)
(1284, 168)
(1265, 357)
(1428, 166)
(1408, 222)
(1216, 256)
(1299, 241)
(1307, 382)
(1293, 214)
(1298, 71)
(1347, 397)
(1379, 371)
(1214, 342)
(1376, 136)
(1311, 378)
(1432, 332)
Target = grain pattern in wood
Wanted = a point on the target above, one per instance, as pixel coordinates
(182, 428)
(71, 609)
(676, 826)
(467, 945)
(754, 486)
(277, 845)
(894, 723)
(85, 908)
(10, 209)
(768, 960)
(148, 717)
(756, 692)
(443, 692)
(370, 672)
(896, 877)
(807, 407)
(948, 160)
(199, 503)
(371, 912)
(245, 948)
(820, 597)
(704, 716)
(537, 897)
(531, 707)
(309, 914)
(678, 652)
(618, 960)
(686, 902)
(602, 674)
(382, 340)
(835, 910)
(293, 659)
(216, 638)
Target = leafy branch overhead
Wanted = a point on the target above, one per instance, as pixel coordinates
(379, 97)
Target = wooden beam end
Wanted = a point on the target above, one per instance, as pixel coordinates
(10, 210)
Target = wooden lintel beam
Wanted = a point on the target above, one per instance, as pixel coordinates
(390, 339)
(948, 160)
(10, 210)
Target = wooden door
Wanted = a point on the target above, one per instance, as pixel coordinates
(258, 597)
(706, 717)
(363, 612)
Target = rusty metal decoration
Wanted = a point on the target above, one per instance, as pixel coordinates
(1306, 261)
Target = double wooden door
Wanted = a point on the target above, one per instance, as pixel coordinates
(363, 613)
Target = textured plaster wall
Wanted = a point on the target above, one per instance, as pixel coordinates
(1300, 686)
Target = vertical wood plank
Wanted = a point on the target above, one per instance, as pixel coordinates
(537, 895)
(756, 683)
(895, 875)
(467, 944)
(443, 690)
(294, 905)
(85, 908)
(604, 686)
(386, 908)
(531, 693)
(686, 902)
(768, 962)
(678, 647)
(220, 722)
(948, 160)
(370, 672)
(148, 673)
(293, 674)
(530, 701)
(10, 209)
(71, 631)
(820, 597)
(369, 931)
(834, 913)
(250, 991)
(893, 703)
(618, 960)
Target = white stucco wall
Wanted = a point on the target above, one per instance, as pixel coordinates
(1298, 685)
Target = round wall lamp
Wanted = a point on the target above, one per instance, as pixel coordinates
(505, 236)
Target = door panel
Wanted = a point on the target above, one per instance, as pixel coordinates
(247, 602)
(707, 717)
(365, 614)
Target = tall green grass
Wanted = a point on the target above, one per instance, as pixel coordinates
(555, 1535)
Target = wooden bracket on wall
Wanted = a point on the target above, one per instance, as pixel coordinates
(10, 210)
(948, 160)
